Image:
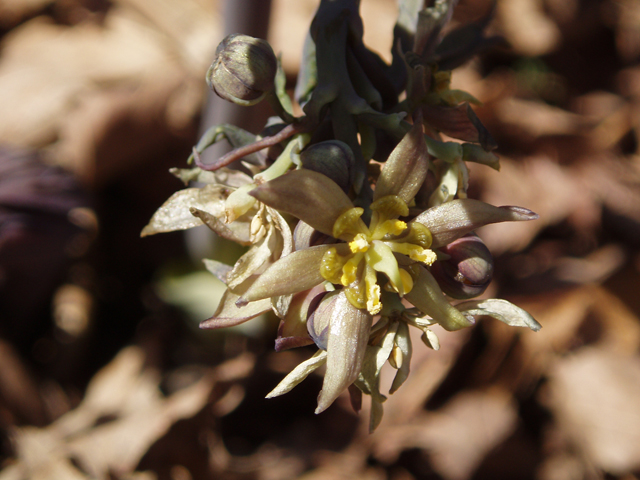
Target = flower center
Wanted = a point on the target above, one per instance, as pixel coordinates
(372, 251)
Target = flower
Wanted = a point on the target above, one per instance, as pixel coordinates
(357, 254)
(223, 205)
(383, 239)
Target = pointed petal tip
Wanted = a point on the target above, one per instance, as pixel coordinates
(534, 325)
(205, 324)
(326, 397)
(241, 302)
(521, 213)
(321, 408)
(208, 324)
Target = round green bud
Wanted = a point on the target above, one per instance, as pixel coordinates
(244, 69)
(332, 158)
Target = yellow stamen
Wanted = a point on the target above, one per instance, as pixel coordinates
(425, 256)
(376, 245)
(389, 227)
(415, 252)
(373, 291)
(359, 244)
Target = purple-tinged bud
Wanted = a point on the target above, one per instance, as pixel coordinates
(468, 271)
(319, 316)
(332, 158)
(305, 236)
(244, 69)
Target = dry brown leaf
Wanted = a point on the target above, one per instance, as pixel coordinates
(14, 11)
(527, 28)
(595, 395)
(459, 435)
(535, 119)
(149, 53)
(628, 29)
(615, 182)
(541, 185)
(128, 396)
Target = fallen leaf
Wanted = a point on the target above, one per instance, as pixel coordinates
(594, 395)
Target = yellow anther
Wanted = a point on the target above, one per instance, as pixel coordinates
(373, 291)
(424, 255)
(350, 224)
(359, 244)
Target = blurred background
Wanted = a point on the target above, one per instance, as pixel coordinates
(104, 373)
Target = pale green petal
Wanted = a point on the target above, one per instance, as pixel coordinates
(255, 259)
(236, 232)
(228, 314)
(448, 187)
(475, 153)
(294, 273)
(348, 336)
(502, 310)
(428, 297)
(405, 169)
(381, 258)
(446, 151)
(238, 203)
(298, 374)
(307, 195)
(175, 213)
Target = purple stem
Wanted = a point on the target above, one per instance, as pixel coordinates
(245, 150)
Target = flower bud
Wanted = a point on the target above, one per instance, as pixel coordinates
(468, 271)
(332, 158)
(305, 236)
(244, 69)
